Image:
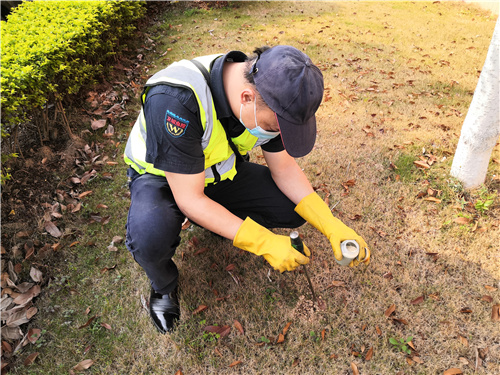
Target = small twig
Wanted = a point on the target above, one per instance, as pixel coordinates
(234, 278)
(478, 361)
(144, 303)
(335, 205)
(40, 135)
(268, 275)
(16, 141)
(65, 119)
(46, 122)
(347, 171)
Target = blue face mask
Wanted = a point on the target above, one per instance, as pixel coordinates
(258, 131)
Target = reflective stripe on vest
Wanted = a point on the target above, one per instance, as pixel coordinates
(220, 161)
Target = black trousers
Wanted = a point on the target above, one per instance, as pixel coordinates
(154, 220)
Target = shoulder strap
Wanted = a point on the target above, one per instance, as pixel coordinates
(203, 70)
(206, 74)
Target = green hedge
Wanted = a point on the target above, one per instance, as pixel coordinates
(52, 48)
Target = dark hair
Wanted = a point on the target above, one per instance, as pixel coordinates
(251, 69)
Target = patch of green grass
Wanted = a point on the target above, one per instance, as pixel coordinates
(401, 344)
(405, 168)
(485, 200)
(194, 11)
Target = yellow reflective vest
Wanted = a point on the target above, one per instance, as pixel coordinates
(220, 160)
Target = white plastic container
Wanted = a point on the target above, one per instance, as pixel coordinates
(350, 250)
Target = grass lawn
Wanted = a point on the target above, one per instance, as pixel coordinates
(399, 78)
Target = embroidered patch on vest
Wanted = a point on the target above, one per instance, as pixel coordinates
(176, 126)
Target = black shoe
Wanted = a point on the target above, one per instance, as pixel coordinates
(164, 310)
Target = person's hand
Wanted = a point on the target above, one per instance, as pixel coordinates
(318, 214)
(276, 250)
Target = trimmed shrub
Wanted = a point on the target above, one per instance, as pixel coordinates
(50, 49)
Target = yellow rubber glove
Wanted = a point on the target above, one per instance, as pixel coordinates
(313, 209)
(276, 249)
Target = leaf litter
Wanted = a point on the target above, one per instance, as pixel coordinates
(17, 308)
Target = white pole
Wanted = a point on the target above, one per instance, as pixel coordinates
(481, 128)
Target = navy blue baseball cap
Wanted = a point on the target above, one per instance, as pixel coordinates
(292, 86)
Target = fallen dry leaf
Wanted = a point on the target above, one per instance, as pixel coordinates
(22, 234)
(51, 228)
(186, 224)
(296, 361)
(105, 269)
(491, 288)
(12, 333)
(106, 325)
(368, 132)
(354, 369)
(390, 310)
(83, 365)
(235, 363)
(6, 347)
(97, 124)
(387, 275)
(179, 372)
(201, 250)
(36, 275)
(379, 331)
(464, 360)
(85, 193)
(194, 241)
(88, 322)
(105, 220)
(336, 283)
(199, 309)
(369, 354)
(432, 199)
(463, 340)
(356, 217)
(239, 327)
(16, 319)
(285, 330)
(487, 298)
(402, 321)
(219, 330)
(231, 267)
(421, 164)
(31, 358)
(24, 298)
(117, 239)
(281, 339)
(34, 334)
(349, 183)
(453, 371)
(417, 300)
(495, 313)
(462, 220)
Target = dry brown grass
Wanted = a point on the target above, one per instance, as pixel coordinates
(399, 79)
